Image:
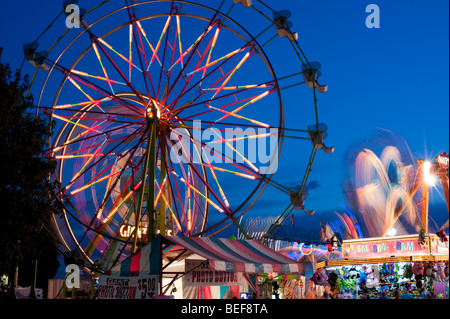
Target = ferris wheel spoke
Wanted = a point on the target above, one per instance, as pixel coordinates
(69, 121)
(237, 152)
(165, 160)
(253, 100)
(158, 196)
(86, 103)
(142, 31)
(169, 207)
(222, 76)
(125, 194)
(95, 40)
(189, 78)
(180, 44)
(238, 90)
(213, 173)
(247, 176)
(198, 192)
(105, 79)
(158, 45)
(247, 171)
(166, 33)
(97, 54)
(130, 51)
(213, 45)
(111, 48)
(191, 51)
(185, 208)
(107, 95)
(138, 120)
(223, 208)
(87, 168)
(82, 91)
(80, 138)
(109, 190)
(110, 141)
(94, 181)
(82, 170)
(136, 28)
(104, 225)
(240, 117)
(232, 72)
(194, 45)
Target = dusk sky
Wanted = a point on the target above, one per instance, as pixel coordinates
(395, 78)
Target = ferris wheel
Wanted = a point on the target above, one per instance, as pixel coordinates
(167, 112)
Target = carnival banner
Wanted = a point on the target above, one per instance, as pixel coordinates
(374, 248)
(111, 287)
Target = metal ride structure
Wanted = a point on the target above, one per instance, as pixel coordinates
(151, 100)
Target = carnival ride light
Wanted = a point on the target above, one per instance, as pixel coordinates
(392, 232)
(428, 176)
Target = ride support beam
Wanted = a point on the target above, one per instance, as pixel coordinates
(151, 231)
(162, 204)
(425, 199)
(445, 186)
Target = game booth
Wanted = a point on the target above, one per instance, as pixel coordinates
(195, 268)
(371, 267)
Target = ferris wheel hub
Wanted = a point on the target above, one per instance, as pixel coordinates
(152, 113)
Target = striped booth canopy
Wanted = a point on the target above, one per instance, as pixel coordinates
(146, 261)
(249, 256)
(232, 255)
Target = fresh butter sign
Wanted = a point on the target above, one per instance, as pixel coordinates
(198, 274)
(127, 287)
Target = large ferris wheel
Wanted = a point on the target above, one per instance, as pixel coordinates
(167, 112)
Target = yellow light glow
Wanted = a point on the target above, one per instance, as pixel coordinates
(392, 232)
(427, 174)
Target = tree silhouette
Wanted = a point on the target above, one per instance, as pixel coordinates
(26, 196)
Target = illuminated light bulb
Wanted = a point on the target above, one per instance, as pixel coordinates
(428, 177)
(392, 232)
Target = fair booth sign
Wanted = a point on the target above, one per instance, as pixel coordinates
(145, 287)
(392, 246)
(199, 274)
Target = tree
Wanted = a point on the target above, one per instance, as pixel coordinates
(26, 194)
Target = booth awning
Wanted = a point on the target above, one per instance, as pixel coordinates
(222, 254)
(145, 262)
(234, 255)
